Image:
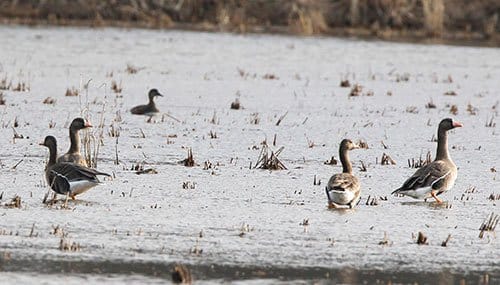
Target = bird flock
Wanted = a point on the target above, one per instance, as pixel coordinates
(69, 174)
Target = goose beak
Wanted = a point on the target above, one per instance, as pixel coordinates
(41, 144)
(355, 146)
(88, 124)
(457, 125)
(158, 94)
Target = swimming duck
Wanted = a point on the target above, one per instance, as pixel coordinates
(68, 178)
(344, 188)
(73, 155)
(149, 109)
(438, 176)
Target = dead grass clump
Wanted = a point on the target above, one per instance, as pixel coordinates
(356, 90)
(49, 100)
(212, 134)
(21, 87)
(132, 69)
(385, 241)
(450, 93)
(332, 161)
(189, 160)
(494, 197)
(71, 92)
(268, 160)
(181, 274)
(412, 109)
(66, 245)
(386, 160)
(255, 119)
(454, 109)
(417, 163)
(345, 83)
(114, 131)
(422, 239)
(445, 242)
(372, 201)
(489, 123)
(472, 110)
(363, 168)
(147, 171)
(14, 203)
(188, 185)
(5, 84)
(489, 224)
(430, 105)
(270, 76)
(2, 99)
(236, 104)
(117, 88)
(362, 144)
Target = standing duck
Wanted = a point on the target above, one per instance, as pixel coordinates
(150, 109)
(438, 176)
(344, 188)
(68, 178)
(73, 155)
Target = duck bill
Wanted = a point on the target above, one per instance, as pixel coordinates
(457, 125)
(161, 95)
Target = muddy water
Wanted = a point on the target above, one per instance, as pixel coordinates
(239, 223)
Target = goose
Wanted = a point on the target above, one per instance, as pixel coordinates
(73, 155)
(149, 109)
(438, 176)
(344, 188)
(68, 178)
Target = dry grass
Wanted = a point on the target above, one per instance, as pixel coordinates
(70, 92)
(269, 159)
(489, 224)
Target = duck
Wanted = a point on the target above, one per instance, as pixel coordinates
(149, 109)
(344, 189)
(438, 176)
(68, 178)
(73, 155)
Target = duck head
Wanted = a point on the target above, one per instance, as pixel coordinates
(153, 93)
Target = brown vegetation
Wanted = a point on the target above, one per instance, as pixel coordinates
(451, 19)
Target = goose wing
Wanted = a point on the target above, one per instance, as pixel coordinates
(432, 175)
(343, 182)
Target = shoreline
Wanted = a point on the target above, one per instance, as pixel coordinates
(233, 272)
(473, 39)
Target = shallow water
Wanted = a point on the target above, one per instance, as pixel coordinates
(239, 218)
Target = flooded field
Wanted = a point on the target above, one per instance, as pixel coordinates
(222, 218)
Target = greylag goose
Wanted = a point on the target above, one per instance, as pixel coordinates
(149, 109)
(73, 155)
(438, 176)
(344, 188)
(68, 178)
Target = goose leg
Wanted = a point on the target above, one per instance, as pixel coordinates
(332, 205)
(433, 194)
(66, 201)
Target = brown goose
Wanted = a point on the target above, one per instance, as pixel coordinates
(73, 155)
(68, 178)
(438, 176)
(344, 188)
(150, 109)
